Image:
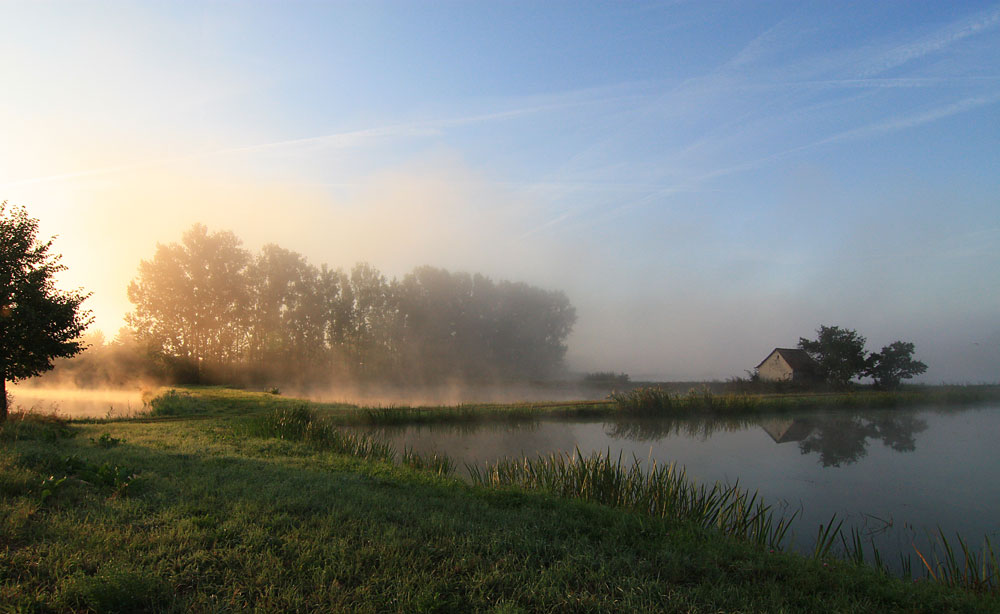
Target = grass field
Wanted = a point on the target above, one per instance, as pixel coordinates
(197, 509)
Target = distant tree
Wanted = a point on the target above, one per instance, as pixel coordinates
(208, 310)
(839, 352)
(894, 363)
(38, 323)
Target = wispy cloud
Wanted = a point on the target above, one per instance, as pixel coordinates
(753, 100)
(939, 40)
(338, 140)
(909, 121)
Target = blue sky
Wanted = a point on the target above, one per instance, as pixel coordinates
(705, 180)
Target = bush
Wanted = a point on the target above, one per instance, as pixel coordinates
(173, 403)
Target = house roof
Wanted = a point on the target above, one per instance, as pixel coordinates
(797, 359)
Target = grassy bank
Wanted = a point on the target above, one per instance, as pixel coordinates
(232, 502)
(651, 401)
(657, 400)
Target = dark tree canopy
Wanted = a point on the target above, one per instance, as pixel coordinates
(38, 322)
(839, 352)
(894, 363)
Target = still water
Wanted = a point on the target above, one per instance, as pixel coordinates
(896, 475)
(78, 403)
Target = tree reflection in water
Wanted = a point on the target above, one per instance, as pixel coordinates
(843, 440)
(838, 439)
(652, 429)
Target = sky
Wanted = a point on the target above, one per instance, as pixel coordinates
(705, 180)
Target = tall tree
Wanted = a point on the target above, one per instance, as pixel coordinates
(288, 319)
(375, 322)
(894, 363)
(839, 352)
(37, 321)
(191, 298)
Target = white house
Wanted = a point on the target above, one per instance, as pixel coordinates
(787, 365)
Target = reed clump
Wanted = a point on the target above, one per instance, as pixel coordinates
(434, 462)
(657, 400)
(300, 423)
(961, 566)
(660, 491)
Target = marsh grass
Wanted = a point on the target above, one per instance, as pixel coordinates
(661, 492)
(467, 413)
(654, 400)
(433, 462)
(301, 423)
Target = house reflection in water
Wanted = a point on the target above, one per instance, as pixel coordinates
(783, 431)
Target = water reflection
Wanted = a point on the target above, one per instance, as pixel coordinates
(654, 429)
(837, 439)
(843, 440)
(840, 441)
(895, 475)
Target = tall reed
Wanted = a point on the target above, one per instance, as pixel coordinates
(300, 423)
(663, 492)
(963, 566)
(433, 462)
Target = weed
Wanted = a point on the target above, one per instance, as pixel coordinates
(107, 475)
(106, 441)
(50, 485)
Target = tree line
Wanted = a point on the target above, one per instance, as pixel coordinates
(839, 354)
(209, 310)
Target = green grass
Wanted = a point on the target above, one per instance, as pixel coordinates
(654, 400)
(222, 517)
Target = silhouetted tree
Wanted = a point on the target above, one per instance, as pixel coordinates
(894, 363)
(839, 353)
(37, 321)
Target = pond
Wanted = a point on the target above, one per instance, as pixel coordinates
(78, 403)
(896, 475)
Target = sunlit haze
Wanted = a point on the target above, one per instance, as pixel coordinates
(705, 181)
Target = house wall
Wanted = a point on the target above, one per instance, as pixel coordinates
(775, 369)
